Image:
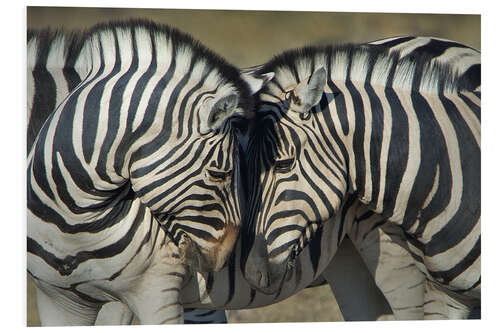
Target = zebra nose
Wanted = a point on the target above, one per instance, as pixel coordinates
(263, 279)
(256, 267)
(256, 273)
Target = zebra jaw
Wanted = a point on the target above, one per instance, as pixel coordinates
(190, 253)
(212, 259)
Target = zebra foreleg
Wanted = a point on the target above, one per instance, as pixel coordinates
(154, 296)
(441, 303)
(355, 291)
(114, 313)
(385, 253)
(117, 313)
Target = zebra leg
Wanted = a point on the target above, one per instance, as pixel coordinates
(204, 316)
(355, 291)
(117, 313)
(441, 303)
(114, 313)
(154, 296)
(387, 257)
(59, 307)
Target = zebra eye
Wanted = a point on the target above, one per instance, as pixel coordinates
(289, 95)
(283, 166)
(305, 115)
(219, 176)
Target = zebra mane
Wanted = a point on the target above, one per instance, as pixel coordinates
(363, 62)
(81, 48)
(48, 49)
(128, 34)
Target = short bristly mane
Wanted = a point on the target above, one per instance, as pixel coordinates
(359, 63)
(127, 36)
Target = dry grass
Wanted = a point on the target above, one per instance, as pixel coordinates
(310, 305)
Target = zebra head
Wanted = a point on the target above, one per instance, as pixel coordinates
(297, 177)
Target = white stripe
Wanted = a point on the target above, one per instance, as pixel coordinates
(460, 58)
(384, 145)
(385, 40)
(55, 65)
(448, 259)
(413, 162)
(468, 116)
(31, 62)
(366, 142)
(409, 46)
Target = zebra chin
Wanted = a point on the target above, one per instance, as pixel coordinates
(210, 259)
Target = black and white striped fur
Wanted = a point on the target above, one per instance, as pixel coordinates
(396, 130)
(217, 278)
(122, 197)
(56, 65)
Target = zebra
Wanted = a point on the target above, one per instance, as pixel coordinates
(393, 125)
(132, 179)
(53, 72)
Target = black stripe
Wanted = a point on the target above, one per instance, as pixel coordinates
(394, 42)
(191, 231)
(447, 276)
(472, 106)
(359, 131)
(430, 142)
(231, 264)
(471, 78)
(44, 102)
(73, 52)
(398, 151)
(209, 282)
(340, 106)
(92, 105)
(434, 48)
(377, 130)
(275, 233)
(315, 249)
(469, 212)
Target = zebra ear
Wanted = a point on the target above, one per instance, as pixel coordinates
(219, 111)
(256, 81)
(308, 92)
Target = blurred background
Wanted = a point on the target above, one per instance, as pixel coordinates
(247, 38)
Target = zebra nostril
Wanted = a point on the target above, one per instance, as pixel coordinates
(263, 280)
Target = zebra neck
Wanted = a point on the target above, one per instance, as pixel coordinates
(83, 153)
(379, 129)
